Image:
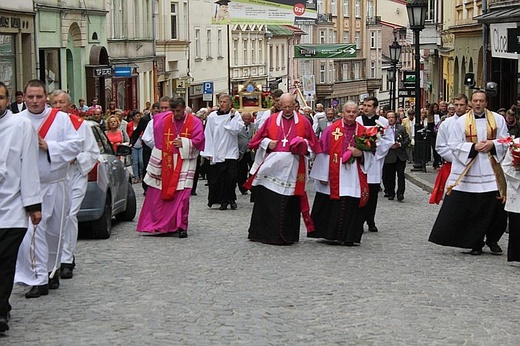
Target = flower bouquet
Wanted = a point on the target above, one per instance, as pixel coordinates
(515, 150)
(366, 139)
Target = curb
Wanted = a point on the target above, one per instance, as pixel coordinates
(423, 184)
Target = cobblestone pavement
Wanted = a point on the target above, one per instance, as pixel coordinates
(217, 288)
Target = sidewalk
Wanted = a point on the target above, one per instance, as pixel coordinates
(424, 180)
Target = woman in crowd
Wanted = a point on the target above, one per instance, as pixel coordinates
(115, 135)
(137, 149)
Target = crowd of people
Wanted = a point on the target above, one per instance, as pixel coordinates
(351, 154)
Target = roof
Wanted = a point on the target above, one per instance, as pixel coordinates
(280, 30)
(393, 26)
(502, 15)
(296, 29)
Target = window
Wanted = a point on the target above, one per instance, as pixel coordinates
(358, 8)
(322, 73)
(346, 8)
(372, 69)
(283, 56)
(358, 40)
(334, 7)
(49, 68)
(277, 58)
(370, 9)
(119, 13)
(271, 58)
(260, 52)
(331, 72)
(174, 29)
(373, 39)
(219, 43)
(235, 51)
(8, 62)
(345, 71)
(197, 44)
(322, 37)
(346, 38)
(356, 70)
(245, 51)
(208, 44)
(253, 51)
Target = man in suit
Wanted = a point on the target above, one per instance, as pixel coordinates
(409, 125)
(330, 117)
(19, 104)
(246, 157)
(395, 160)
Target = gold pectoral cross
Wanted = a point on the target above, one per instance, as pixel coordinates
(337, 133)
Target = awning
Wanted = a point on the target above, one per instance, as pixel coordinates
(502, 15)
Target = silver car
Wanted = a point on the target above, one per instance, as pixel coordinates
(109, 191)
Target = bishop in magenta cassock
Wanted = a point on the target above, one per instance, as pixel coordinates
(279, 176)
(178, 137)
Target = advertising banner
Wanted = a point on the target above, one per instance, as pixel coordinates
(325, 51)
(277, 12)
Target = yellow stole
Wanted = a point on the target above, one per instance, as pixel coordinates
(491, 133)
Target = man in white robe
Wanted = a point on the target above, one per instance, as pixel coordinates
(474, 209)
(59, 143)
(20, 194)
(370, 119)
(221, 148)
(77, 178)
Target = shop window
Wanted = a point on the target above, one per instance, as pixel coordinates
(8, 63)
(50, 68)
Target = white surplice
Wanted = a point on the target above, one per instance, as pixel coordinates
(443, 136)
(480, 177)
(40, 252)
(221, 135)
(375, 171)
(77, 179)
(19, 182)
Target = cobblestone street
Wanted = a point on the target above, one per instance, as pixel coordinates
(216, 287)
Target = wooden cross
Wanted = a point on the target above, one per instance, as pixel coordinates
(284, 142)
(337, 133)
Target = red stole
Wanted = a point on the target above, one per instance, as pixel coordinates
(440, 183)
(273, 131)
(336, 154)
(46, 125)
(76, 121)
(170, 174)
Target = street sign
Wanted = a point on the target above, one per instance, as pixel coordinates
(500, 40)
(513, 40)
(207, 91)
(122, 71)
(180, 86)
(325, 51)
(406, 93)
(409, 79)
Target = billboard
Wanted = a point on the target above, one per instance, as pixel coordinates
(325, 51)
(275, 12)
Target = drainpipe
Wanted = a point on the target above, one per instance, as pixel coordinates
(36, 52)
(485, 35)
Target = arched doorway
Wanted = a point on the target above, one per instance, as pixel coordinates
(73, 61)
(98, 76)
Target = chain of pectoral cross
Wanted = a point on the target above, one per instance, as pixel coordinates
(285, 135)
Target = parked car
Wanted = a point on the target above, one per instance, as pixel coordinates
(109, 190)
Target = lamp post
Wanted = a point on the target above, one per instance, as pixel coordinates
(268, 36)
(395, 55)
(417, 18)
(391, 79)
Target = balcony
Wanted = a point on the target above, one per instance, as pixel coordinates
(374, 20)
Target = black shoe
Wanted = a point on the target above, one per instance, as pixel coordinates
(372, 228)
(233, 205)
(400, 198)
(66, 272)
(194, 194)
(474, 252)
(3, 324)
(183, 233)
(223, 206)
(54, 283)
(386, 195)
(494, 247)
(391, 198)
(37, 291)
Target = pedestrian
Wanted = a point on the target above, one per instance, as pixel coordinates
(513, 128)
(20, 195)
(330, 118)
(77, 179)
(511, 165)
(409, 125)
(370, 119)
(395, 159)
(341, 183)
(18, 105)
(221, 148)
(97, 116)
(246, 156)
(39, 258)
(443, 148)
(137, 147)
(178, 138)
(473, 206)
(282, 146)
(434, 119)
(115, 135)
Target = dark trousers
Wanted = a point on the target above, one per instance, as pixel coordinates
(196, 176)
(147, 152)
(244, 166)
(513, 247)
(222, 180)
(390, 170)
(10, 240)
(370, 208)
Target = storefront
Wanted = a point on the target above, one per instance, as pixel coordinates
(16, 45)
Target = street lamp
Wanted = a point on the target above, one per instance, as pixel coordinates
(268, 36)
(391, 78)
(417, 17)
(395, 55)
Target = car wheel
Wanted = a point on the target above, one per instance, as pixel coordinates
(102, 227)
(131, 206)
